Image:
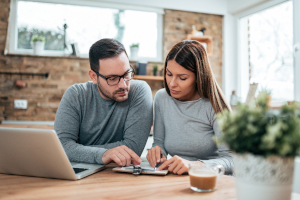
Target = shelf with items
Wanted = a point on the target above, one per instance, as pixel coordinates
(148, 78)
(45, 56)
(203, 39)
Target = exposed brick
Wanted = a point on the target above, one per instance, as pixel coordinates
(177, 24)
(48, 104)
(55, 98)
(5, 1)
(23, 113)
(4, 12)
(48, 86)
(11, 118)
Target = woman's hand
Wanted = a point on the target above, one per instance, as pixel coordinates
(154, 156)
(177, 165)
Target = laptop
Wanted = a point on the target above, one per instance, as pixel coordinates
(38, 152)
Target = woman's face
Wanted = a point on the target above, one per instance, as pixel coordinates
(181, 82)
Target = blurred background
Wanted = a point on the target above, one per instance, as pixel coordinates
(44, 46)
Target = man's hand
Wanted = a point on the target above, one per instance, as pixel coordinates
(177, 165)
(121, 155)
(154, 156)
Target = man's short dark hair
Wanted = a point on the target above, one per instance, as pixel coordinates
(104, 48)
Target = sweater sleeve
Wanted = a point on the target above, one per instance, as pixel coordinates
(138, 121)
(224, 157)
(67, 124)
(158, 127)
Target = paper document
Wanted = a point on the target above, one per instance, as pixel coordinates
(146, 169)
(144, 165)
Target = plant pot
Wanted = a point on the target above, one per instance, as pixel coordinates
(263, 178)
(38, 47)
(134, 53)
(154, 73)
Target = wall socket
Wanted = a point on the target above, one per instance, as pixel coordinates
(20, 104)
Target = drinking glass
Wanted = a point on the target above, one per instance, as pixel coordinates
(203, 177)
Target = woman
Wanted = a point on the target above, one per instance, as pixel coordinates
(185, 112)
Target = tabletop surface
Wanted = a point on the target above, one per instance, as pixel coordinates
(108, 184)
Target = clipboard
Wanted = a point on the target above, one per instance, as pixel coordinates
(145, 167)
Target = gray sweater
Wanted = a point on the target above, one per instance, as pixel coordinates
(186, 128)
(87, 125)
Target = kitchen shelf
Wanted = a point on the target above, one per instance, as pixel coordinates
(203, 39)
(148, 78)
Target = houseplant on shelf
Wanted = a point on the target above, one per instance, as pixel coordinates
(38, 43)
(134, 50)
(265, 145)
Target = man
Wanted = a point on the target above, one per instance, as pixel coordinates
(109, 118)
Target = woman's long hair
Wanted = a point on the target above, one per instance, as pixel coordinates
(191, 55)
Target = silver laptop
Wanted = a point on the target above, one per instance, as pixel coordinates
(38, 152)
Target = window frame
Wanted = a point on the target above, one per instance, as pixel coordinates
(242, 56)
(296, 50)
(11, 42)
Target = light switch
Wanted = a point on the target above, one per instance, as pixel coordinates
(20, 104)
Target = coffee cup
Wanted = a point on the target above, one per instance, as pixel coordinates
(203, 177)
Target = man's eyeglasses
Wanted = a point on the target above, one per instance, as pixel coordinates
(114, 80)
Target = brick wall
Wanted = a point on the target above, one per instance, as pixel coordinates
(177, 24)
(44, 94)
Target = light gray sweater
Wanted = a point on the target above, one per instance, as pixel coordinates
(87, 125)
(186, 128)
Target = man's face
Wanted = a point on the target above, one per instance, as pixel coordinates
(109, 67)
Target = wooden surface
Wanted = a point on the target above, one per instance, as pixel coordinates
(26, 126)
(110, 185)
(205, 39)
(148, 78)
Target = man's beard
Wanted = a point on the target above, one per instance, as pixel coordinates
(113, 96)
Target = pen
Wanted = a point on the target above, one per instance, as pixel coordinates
(159, 163)
(160, 160)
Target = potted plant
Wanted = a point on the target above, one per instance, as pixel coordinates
(265, 145)
(38, 44)
(134, 49)
(155, 69)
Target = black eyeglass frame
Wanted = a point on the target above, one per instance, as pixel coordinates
(130, 70)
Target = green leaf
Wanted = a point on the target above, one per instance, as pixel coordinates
(258, 130)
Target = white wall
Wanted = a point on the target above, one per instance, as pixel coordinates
(229, 71)
(237, 6)
(212, 6)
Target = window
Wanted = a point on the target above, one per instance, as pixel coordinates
(85, 25)
(266, 43)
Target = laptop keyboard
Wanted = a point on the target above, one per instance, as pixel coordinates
(78, 170)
